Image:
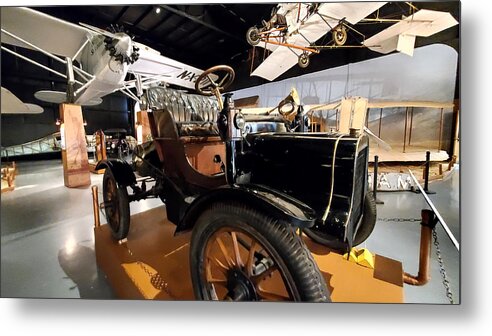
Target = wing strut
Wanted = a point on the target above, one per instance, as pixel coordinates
(80, 71)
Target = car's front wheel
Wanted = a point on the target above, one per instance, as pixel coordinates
(240, 254)
(366, 226)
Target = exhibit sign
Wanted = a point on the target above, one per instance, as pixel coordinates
(391, 182)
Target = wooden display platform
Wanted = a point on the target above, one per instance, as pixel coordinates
(9, 171)
(153, 264)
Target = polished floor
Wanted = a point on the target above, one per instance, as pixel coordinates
(47, 240)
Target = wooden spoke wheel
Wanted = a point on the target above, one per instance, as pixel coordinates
(239, 254)
(116, 206)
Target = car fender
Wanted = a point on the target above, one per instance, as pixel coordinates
(270, 201)
(122, 171)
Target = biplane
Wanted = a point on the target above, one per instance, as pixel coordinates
(97, 61)
(295, 32)
(351, 113)
(299, 117)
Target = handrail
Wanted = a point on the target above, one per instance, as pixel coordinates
(438, 215)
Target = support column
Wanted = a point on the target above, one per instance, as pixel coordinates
(142, 127)
(74, 148)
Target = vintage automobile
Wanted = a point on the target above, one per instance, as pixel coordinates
(116, 143)
(248, 188)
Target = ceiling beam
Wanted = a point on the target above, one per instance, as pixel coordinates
(208, 25)
(120, 14)
(143, 16)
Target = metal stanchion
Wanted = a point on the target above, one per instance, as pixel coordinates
(428, 223)
(375, 180)
(426, 177)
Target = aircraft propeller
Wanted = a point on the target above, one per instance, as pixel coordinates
(117, 43)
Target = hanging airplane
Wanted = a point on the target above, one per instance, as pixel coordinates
(401, 36)
(97, 61)
(291, 32)
(294, 30)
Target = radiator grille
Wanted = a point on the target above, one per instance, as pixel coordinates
(359, 187)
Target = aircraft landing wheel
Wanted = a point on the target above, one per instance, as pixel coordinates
(253, 36)
(339, 35)
(116, 206)
(240, 254)
(303, 60)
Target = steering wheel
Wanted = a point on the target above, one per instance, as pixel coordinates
(214, 80)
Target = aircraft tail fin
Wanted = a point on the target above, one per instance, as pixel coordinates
(13, 105)
(58, 97)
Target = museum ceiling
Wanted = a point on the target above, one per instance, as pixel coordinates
(207, 35)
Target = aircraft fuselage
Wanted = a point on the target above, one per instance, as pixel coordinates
(109, 72)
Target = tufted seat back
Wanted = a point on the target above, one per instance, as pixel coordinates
(179, 114)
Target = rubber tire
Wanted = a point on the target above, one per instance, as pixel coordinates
(280, 238)
(336, 40)
(123, 206)
(303, 61)
(368, 219)
(255, 32)
(365, 229)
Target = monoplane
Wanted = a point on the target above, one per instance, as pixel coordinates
(97, 61)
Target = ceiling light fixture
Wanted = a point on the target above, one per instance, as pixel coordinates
(157, 10)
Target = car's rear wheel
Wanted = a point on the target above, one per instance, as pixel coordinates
(116, 206)
(240, 254)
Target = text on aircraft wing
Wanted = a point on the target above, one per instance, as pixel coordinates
(313, 29)
(151, 64)
(401, 35)
(49, 33)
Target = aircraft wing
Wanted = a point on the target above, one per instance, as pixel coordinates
(401, 35)
(283, 58)
(151, 64)
(44, 31)
(13, 105)
(402, 103)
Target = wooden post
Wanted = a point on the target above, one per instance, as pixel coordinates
(405, 132)
(440, 130)
(380, 120)
(411, 126)
(143, 121)
(100, 146)
(95, 206)
(74, 148)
